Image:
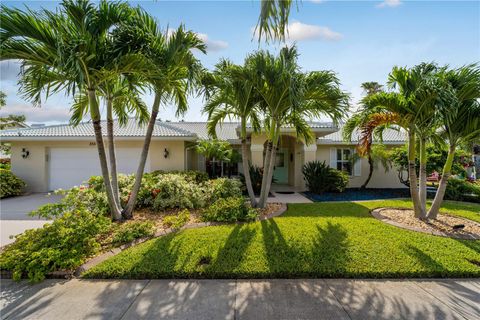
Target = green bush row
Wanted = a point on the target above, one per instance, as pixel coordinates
(461, 190)
(319, 178)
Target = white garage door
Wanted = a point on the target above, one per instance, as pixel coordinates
(73, 166)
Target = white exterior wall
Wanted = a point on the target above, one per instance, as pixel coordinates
(34, 170)
(380, 178)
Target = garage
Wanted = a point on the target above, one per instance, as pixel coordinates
(70, 167)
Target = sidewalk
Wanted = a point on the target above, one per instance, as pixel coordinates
(242, 299)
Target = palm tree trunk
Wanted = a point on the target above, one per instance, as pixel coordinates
(422, 193)
(447, 168)
(128, 211)
(270, 166)
(97, 127)
(111, 152)
(266, 167)
(246, 173)
(370, 171)
(412, 174)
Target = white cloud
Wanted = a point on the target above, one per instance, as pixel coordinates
(389, 3)
(317, 1)
(9, 70)
(298, 31)
(213, 45)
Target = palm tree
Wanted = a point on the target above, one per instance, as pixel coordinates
(273, 19)
(412, 108)
(231, 94)
(288, 96)
(460, 119)
(173, 73)
(122, 97)
(72, 50)
(214, 151)
(358, 120)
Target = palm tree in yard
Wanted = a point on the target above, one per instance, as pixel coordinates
(358, 120)
(288, 96)
(122, 98)
(231, 94)
(70, 50)
(459, 119)
(411, 107)
(174, 72)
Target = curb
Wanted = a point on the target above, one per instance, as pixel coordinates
(376, 213)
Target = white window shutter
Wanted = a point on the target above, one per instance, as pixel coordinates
(333, 158)
(357, 166)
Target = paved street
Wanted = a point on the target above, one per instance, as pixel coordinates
(241, 299)
(14, 218)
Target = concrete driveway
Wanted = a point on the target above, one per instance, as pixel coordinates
(14, 218)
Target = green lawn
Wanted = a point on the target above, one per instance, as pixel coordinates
(309, 240)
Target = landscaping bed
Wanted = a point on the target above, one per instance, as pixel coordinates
(309, 240)
(444, 225)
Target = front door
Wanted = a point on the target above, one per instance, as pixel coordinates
(280, 173)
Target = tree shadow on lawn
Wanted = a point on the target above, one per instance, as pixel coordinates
(327, 256)
(327, 209)
(231, 254)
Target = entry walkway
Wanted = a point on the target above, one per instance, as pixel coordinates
(241, 299)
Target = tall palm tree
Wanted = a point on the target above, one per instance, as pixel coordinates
(459, 118)
(70, 50)
(356, 121)
(173, 73)
(288, 96)
(411, 107)
(122, 98)
(231, 94)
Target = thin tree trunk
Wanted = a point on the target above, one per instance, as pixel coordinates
(266, 162)
(412, 174)
(97, 127)
(271, 164)
(111, 153)
(422, 192)
(246, 173)
(128, 211)
(370, 172)
(447, 168)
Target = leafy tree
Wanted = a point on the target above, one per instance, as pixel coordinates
(459, 117)
(288, 97)
(410, 107)
(173, 73)
(10, 121)
(70, 50)
(215, 151)
(231, 94)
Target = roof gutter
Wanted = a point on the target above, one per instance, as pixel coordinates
(91, 138)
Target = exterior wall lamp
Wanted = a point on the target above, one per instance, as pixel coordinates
(25, 153)
(166, 153)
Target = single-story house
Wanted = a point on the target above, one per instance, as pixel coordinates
(61, 156)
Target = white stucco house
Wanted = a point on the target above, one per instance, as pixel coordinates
(61, 156)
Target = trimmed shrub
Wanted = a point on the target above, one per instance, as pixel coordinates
(319, 178)
(174, 191)
(229, 210)
(189, 175)
(61, 245)
(224, 188)
(131, 230)
(462, 190)
(176, 221)
(10, 184)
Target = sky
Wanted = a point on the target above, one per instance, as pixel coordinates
(359, 40)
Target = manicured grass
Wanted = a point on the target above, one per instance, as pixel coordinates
(309, 240)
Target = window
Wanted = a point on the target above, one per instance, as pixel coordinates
(344, 160)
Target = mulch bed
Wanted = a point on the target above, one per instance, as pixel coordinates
(442, 226)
